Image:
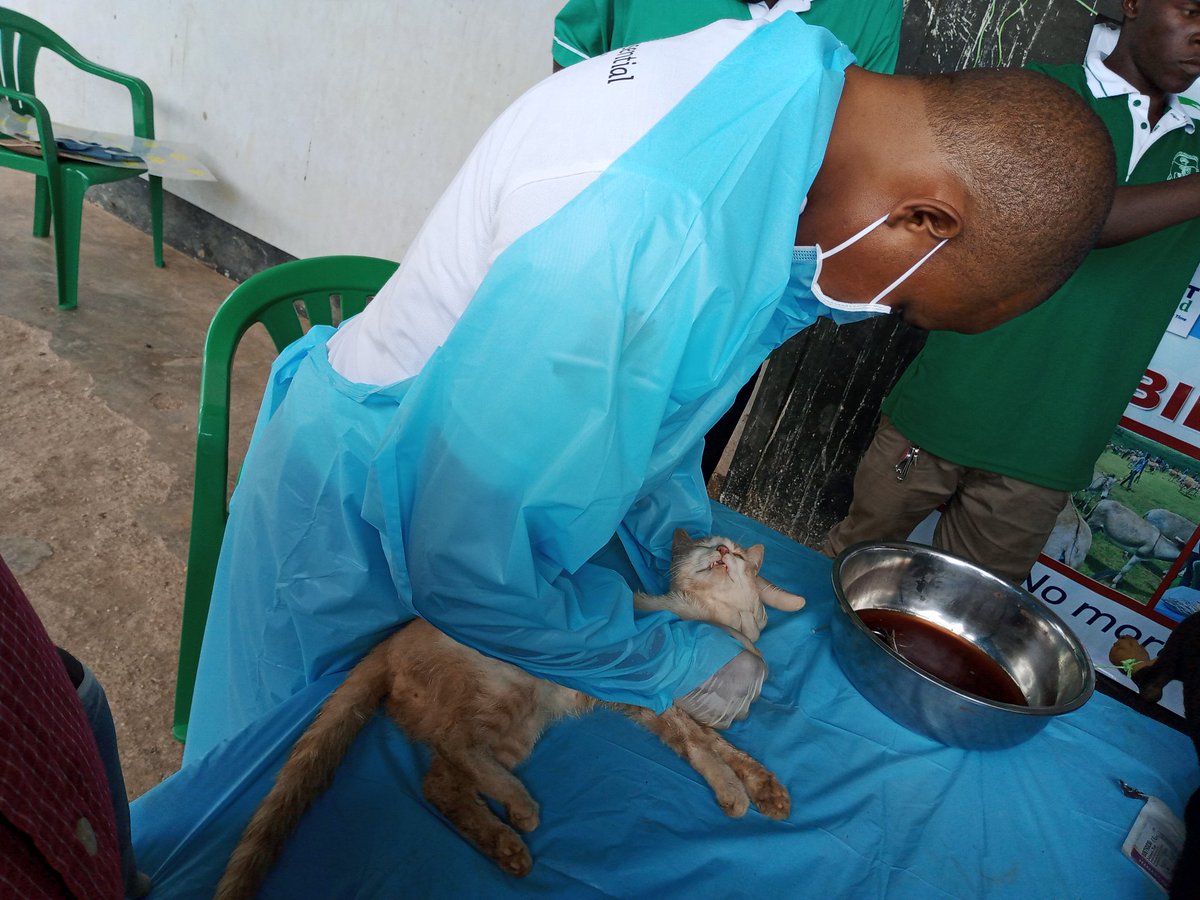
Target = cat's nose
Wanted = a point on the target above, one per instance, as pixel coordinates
(722, 549)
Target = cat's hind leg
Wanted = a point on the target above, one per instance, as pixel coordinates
(684, 735)
(454, 793)
(492, 779)
(484, 752)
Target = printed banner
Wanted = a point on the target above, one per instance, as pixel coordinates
(1122, 559)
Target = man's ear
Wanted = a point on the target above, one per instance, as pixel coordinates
(937, 218)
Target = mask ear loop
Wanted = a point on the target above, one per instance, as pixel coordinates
(824, 254)
(895, 284)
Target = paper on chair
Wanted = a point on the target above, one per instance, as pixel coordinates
(167, 159)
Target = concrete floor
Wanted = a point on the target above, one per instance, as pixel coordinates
(97, 430)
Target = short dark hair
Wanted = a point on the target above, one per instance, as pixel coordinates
(1037, 161)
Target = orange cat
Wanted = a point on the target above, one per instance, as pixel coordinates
(482, 717)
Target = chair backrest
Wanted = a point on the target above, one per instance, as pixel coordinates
(21, 39)
(287, 300)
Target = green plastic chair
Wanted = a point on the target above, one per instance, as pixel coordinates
(61, 184)
(286, 299)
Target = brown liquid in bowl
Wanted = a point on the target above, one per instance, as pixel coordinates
(944, 655)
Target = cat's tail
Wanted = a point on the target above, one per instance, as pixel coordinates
(305, 776)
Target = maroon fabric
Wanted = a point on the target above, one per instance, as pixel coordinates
(57, 833)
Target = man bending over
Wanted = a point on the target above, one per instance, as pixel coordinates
(519, 413)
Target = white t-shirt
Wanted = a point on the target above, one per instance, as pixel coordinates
(540, 153)
(762, 11)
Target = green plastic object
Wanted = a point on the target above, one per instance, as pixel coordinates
(61, 184)
(286, 299)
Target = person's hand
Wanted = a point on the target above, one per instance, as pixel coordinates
(727, 695)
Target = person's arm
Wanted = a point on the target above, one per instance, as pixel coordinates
(582, 29)
(1138, 209)
(1142, 209)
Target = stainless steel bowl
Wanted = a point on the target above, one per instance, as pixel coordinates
(1032, 644)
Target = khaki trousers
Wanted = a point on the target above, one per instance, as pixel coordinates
(998, 522)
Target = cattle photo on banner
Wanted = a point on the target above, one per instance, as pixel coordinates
(1122, 559)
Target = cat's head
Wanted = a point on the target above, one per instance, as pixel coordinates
(720, 580)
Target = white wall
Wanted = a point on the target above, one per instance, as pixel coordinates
(332, 125)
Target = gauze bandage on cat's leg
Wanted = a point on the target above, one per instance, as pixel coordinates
(727, 695)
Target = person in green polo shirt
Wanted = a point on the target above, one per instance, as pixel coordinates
(587, 28)
(1001, 426)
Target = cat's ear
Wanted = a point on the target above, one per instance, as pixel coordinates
(680, 543)
(754, 556)
(777, 597)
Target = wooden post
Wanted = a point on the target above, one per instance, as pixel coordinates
(818, 401)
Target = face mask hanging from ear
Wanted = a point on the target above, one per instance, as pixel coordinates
(862, 310)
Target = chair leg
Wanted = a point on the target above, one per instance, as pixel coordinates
(41, 208)
(68, 218)
(156, 218)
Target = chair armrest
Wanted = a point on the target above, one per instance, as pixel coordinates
(41, 116)
(141, 99)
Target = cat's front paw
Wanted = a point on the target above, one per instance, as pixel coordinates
(732, 798)
(771, 797)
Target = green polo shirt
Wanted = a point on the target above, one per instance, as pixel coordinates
(1038, 397)
(587, 28)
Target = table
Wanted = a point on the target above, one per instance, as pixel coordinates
(877, 811)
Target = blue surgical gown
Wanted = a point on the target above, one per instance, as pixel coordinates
(562, 417)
